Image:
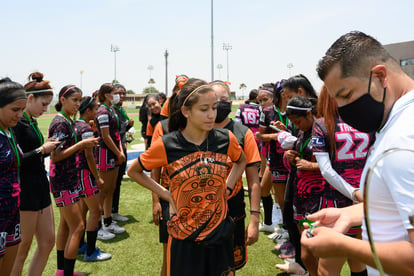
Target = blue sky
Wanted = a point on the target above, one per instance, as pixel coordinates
(61, 38)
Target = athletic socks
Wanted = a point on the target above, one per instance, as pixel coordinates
(91, 241)
(362, 273)
(69, 267)
(107, 221)
(267, 207)
(60, 259)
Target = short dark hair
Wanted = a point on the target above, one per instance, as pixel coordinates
(355, 52)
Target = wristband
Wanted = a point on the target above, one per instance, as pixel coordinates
(254, 211)
(229, 189)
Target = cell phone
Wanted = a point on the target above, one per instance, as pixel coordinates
(275, 128)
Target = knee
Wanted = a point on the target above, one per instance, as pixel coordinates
(47, 243)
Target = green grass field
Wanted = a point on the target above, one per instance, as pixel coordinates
(138, 252)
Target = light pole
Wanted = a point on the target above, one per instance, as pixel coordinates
(166, 72)
(289, 66)
(114, 49)
(219, 67)
(227, 47)
(212, 43)
(150, 68)
(81, 74)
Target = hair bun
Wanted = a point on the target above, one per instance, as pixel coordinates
(36, 76)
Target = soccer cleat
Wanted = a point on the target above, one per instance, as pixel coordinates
(282, 246)
(114, 228)
(104, 235)
(282, 234)
(118, 217)
(82, 249)
(96, 256)
(60, 272)
(266, 228)
(288, 252)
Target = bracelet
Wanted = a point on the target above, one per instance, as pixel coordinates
(229, 189)
(44, 150)
(254, 211)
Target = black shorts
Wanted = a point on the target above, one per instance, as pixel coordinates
(185, 258)
(165, 209)
(239, 244)
(237, 212)
(34, 196)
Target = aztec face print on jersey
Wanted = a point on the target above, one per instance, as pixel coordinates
(352, 148)
(275, 155)
(83, 131)
(63, 174)
(197, 179)
(106, 118)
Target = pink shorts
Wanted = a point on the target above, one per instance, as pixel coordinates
(106, 160)
(66, 197)
(9, 229)
(87, 183)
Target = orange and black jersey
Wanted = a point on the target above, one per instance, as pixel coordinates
(246, 140)
(197, 178)
(160, 129)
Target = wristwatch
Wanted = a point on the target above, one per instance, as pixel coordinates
(38, 151)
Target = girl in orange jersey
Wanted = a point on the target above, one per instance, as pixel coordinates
(195, 155)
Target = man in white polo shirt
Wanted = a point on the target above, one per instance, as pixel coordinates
(373, 94)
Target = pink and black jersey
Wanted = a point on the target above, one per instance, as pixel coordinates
(308, 185)
(63, 174)
(249, 115)
(9, 178)
(106, 117)
(275, 156)
(351, 152)
(83, 131)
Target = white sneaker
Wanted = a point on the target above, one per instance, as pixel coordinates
(282, 234)
(267, 228)
(114, 228)
(118, 217)
(291, 268)
(104, 235)
(277, 216)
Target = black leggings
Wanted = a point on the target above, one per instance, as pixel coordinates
(117, 191)
(288, 221)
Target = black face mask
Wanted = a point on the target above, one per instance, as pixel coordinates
(223, 110)
(364, 114)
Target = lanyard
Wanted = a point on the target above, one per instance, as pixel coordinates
(70, 124)
(303, 146)
(13, 146)
(122, 111)
(281, 118)
(116, 117)
(35, 128)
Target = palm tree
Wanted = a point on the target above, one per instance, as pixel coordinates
(151, 81)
